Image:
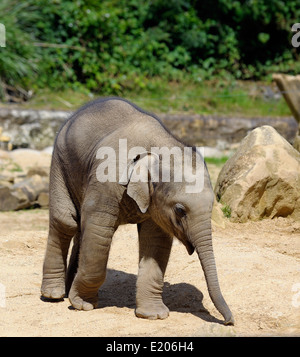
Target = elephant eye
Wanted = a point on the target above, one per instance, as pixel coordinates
(180, 210)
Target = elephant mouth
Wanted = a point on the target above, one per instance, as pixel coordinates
(179, 230)
(183, 235)
(189, 247)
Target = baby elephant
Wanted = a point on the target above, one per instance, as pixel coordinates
(114, 164)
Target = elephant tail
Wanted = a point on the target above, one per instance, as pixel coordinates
(73, 263)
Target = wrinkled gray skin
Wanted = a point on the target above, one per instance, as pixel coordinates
(89, 211)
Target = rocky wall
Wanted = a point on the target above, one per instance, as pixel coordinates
(36, 129)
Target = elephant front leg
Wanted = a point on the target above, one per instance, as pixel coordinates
(154, 251)
(93, 256)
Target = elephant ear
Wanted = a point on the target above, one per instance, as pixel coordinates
(138, 180)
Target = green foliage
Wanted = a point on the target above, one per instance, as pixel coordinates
(218, 161)
(18, 60)
(110, 46)
(226, 211)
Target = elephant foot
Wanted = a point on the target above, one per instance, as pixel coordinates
(53, 289)
(152, 312)
(79, 304)
(86, 301)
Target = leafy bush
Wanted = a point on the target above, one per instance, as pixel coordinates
(18, 60)
(111, 45)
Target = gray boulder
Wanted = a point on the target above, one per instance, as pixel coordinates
(262, 179)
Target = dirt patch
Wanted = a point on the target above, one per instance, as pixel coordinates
(258, 265)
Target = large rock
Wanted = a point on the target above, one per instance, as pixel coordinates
(217, 217)
(24, 179)
(32, 186)
(26, 193)
(29, 158)
(262, 179)
(290, 87)
(12, 200)
(43, 199)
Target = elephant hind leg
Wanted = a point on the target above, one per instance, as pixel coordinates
(55, 263)
(98, 228)
(63, 226)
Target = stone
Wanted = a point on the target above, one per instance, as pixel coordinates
(39, 170)
(6, 183)
(37, 129)
(8, 202)
(32, 186)
(4, 155)
(23, 200)
(32, 128)
(217, 216)
(24, 194)
(262, 179)
(28, 158)
(43, 199)
(290, 88)
(24, 179)
(12, 200)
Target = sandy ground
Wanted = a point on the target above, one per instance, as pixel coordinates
(259, 274)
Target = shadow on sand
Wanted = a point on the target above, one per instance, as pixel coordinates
(119, 290)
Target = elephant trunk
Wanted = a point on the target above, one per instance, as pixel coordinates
(201, 239)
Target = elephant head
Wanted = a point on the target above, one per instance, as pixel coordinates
(187, 216)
